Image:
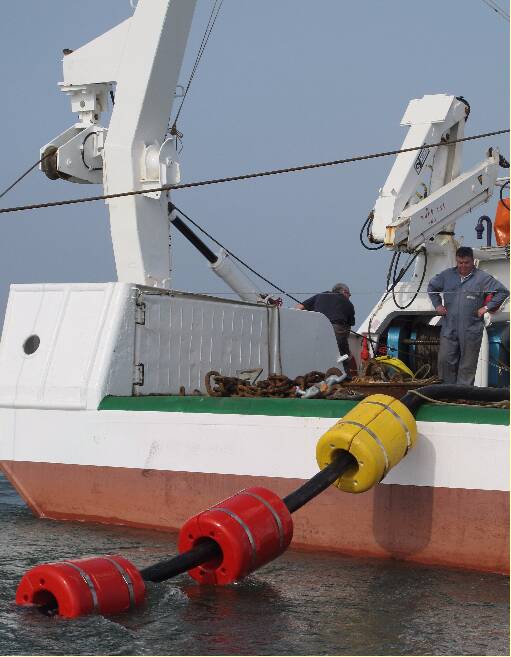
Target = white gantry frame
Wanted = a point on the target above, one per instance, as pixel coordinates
(142, 57)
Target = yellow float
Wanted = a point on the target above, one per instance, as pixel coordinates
(378, 432)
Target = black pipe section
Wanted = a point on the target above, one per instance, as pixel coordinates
(192, 237)
(453, 392)
(480, 228)
(205, 551)
(208, 549)
(319, 482)
(503, 162)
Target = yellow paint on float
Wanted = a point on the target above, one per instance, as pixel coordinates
(378, 432)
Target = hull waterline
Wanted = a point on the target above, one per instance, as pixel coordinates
(446, 504)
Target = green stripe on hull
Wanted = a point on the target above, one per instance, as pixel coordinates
(294, 407)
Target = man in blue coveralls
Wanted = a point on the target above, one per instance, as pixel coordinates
(464, 289)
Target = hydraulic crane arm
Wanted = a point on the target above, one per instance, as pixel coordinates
(418, 223)
(424, 193)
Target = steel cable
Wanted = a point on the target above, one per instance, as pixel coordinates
(8, 189)
(266, 280)
(497, 9)
(247, 176)
(242, 262)
(217, 5)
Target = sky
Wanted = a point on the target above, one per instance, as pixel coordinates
(282, 83)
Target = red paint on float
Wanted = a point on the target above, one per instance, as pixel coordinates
(251, 528)
(103, 585)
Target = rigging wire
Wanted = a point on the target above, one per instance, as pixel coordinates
(249, 176)
(266, 280)
(235, 257)
(215, 10)
(497, 9)
(354, 293)
(8, 189)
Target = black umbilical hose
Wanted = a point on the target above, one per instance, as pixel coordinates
(319, 482)
(208, 549)
(451, 392)
(204, 551)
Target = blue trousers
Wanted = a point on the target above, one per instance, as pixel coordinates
(457, 359)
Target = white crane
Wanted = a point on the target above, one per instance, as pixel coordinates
(417, 209)
(141, 57)
(141, 60)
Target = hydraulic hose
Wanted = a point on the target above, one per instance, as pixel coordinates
(208, 549)
(479, 228)
(452, 392)
(205, 551)
(319, 482)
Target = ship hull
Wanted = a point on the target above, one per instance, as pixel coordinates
(439, 526)
(446, 504)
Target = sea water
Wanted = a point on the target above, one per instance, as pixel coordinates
(303, 603)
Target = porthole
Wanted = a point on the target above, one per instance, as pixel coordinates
(31, 344)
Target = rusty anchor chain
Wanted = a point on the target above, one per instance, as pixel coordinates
(276, 385)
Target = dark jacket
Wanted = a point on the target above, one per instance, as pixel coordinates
(334, 305)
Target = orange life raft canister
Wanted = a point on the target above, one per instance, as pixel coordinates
(501, 224)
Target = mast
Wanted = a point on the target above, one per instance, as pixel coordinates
(135, 154)
(142, 56)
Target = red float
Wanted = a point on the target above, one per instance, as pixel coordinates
(103, 585)
(251, 528)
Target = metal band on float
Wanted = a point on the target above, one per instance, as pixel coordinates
(398, 418)
(236, 517)
(275, 515)
(86, 578)
(374, 436)
(126, 577)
